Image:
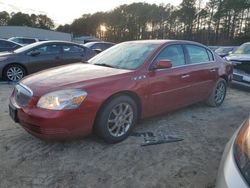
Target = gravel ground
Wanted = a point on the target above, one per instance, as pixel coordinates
(29, 162)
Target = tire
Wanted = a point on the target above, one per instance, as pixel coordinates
(218, 94)
(116, 119)
(14, 72)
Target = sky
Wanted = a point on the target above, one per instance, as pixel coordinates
(65, 11)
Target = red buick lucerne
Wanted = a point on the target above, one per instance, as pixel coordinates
(114, 89)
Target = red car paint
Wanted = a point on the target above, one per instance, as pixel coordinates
(155, 91)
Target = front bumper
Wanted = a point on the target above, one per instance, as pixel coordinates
(229, 175)
(54, 124)
(241, 76)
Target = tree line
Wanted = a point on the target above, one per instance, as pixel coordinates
(219, 22)
(22, 19)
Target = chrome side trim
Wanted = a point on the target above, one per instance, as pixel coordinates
(162, 92)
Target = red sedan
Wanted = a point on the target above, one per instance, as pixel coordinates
(111, 91)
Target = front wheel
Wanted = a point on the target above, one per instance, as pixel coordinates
(218, 94)
(116, 119)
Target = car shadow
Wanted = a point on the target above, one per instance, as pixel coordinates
(240, 86)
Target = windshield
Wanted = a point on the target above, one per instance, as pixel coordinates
(243, 49)
(125, 55)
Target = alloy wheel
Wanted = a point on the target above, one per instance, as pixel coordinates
(120, 119)
(220, 92)
(14, 73)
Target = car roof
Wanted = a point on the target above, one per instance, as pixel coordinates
(21, 38)
(37, 44)
(102, 42)
(56, 41)
(165, 41)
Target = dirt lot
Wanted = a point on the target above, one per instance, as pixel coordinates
(29, 162)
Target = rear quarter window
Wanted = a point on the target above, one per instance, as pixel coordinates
(197, 54)
(210, 55)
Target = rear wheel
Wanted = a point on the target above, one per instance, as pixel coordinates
(218, 94)
(116, 119)
(14, 72)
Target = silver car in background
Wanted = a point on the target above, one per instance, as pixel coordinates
(240, 59)
(234, 171)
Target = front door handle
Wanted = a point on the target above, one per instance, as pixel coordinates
(212, 70)
(185, 76)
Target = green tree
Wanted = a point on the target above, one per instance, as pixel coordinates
(42, 21)
(4, 18)
(219, 22)
(20, 19)
(187, 13)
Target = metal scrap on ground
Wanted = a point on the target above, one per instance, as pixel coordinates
(160, 137)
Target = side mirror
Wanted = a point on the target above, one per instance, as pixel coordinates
(34, 53)
(163, 64)
(97, 51)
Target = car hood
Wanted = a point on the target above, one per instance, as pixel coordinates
(76, 75)
(238, 57)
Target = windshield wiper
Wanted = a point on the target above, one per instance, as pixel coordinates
(104, 65)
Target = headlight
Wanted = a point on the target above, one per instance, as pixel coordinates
(242, 150)
(63, 99)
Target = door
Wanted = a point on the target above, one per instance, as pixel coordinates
(168, 87)
(44, 57)
(203, 71)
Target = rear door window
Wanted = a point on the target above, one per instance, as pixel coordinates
(197, 54)
(49, 49)
(72, 49)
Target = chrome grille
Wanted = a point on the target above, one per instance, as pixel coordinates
(22, 95)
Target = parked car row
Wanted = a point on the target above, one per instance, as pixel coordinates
(18, 61)
(39, 56)
(239, 57)
(225, 50)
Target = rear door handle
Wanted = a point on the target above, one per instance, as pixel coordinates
(212, 70)
(185, 76)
